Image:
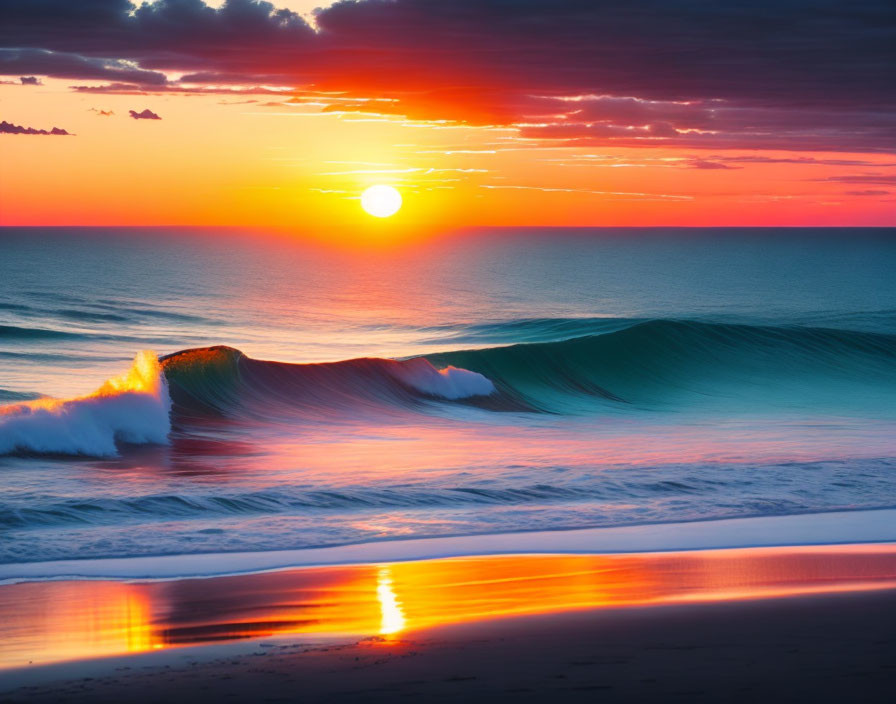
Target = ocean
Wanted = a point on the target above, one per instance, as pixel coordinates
(181, 391)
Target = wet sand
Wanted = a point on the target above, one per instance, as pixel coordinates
(819, 648)
(802, 623)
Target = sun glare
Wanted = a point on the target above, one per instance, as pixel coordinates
(381, 201)
(393, 619)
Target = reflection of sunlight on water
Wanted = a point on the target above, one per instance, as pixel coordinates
(392, 615)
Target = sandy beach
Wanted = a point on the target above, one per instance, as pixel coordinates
(821, 648)
(773, 623)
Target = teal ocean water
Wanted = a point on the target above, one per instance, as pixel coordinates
(290, 395)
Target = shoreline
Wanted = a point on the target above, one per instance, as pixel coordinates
(809, 529)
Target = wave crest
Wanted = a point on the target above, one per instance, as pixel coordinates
(224, 381)
(131, 408)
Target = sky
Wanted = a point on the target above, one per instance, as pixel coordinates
(481, 112)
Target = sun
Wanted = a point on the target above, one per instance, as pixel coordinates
(381, 201)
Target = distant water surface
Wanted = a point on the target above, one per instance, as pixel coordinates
(510, 381)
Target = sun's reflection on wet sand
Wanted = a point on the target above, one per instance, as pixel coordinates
(393, 619)
(59, 621)
(114, 618)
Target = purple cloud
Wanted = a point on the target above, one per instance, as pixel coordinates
(68, 65)
(9, 128)
(144, 115)
(710, 165)
(875, 179)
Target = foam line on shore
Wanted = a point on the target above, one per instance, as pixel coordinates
(844, 527)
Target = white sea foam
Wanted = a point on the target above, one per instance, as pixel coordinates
(450, 383)
(132, 408)
(819, 529)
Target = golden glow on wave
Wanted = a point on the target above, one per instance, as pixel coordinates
(144, 377)
(56, 621)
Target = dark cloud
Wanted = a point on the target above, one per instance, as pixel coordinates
(766, 51)
(102, 113)
(872, 179)
(144, 115)
(177, 88)
(784, 74)
(119, 88)
(231, 78)
(718, 124)
(29, 80)
(176, 34)
(787, 138)
(711, 165)
(868, 193)
(759, 159)
(9, 128)
(68, 65)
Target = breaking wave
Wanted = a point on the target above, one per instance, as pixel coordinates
(131, 408)
(657, 365)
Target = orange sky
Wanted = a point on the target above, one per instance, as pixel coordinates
(216, 160)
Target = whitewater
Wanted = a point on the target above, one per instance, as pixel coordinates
(260, 396)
